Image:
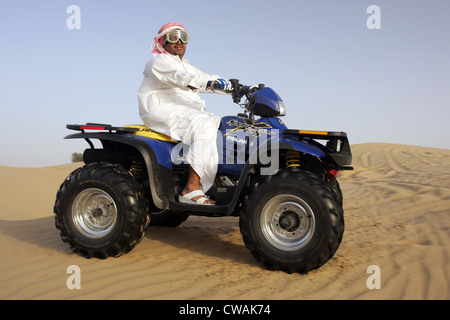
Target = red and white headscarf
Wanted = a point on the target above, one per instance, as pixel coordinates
(160, 40)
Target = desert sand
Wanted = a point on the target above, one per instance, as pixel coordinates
(397, 211)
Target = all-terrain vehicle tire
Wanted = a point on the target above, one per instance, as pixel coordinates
(336, 188)
(101, 211)
(292, 221)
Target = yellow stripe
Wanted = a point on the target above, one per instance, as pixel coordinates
(149, 133)
(324, 133)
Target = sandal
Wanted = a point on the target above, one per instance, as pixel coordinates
(187, 198)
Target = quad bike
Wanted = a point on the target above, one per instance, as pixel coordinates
(280, 182)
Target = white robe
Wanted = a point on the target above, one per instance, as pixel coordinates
(168, 106)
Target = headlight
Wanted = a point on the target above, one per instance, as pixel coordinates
(282, 108)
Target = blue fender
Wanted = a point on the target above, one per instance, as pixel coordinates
(301, 146)
(161, 149)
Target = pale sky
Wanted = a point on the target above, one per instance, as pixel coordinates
(333, 72)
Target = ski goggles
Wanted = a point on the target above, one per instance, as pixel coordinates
(175, 35)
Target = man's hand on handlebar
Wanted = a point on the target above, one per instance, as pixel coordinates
(234, 87)
(220, 84)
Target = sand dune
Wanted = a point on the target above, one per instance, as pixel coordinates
(397, 210)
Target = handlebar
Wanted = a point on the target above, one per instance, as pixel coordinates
(240, 90)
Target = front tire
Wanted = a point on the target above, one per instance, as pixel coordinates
(292, 222)
(101, 211)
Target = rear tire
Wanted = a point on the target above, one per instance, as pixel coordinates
(101, 211)
(292, 221)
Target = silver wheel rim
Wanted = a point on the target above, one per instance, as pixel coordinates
(94, 213)
(287, 222)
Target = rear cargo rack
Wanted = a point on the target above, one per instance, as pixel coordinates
(99, 127)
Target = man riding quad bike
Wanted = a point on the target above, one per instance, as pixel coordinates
(280, 182)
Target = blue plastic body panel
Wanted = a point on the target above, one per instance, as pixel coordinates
(267, 103)
(237, 138)
(162, 149)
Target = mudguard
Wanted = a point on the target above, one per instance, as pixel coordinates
(145, 150)
(337, 146)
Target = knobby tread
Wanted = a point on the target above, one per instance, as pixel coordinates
(130, 193)
(313, 258)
